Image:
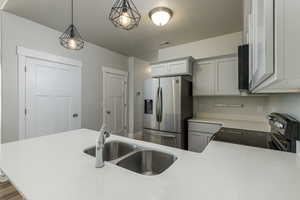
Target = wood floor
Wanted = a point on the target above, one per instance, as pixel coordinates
(8, 192)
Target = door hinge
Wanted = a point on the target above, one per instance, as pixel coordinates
(25, 111)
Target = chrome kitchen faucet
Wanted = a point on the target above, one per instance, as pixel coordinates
(100, 146)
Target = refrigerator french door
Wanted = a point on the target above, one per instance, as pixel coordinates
(168, 105)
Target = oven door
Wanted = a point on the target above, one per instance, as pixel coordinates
(163, 138)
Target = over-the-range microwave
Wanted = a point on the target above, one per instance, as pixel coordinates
(243, 67)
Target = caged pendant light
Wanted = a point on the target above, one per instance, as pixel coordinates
(71, 39)
(124, 14)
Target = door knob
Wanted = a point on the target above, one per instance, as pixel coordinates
(108, 112)
(75, 115)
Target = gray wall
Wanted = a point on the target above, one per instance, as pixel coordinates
(211, 47)
(139, 71)
(285, 103)
(253, 105)
(17, 31)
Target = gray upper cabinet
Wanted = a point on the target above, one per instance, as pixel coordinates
(214, 77)
(204, 78)
(227, 77)
(261, 40)
(273, 35)
(181, 66)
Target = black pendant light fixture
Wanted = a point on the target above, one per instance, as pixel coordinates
(124, 14)
(71, 39)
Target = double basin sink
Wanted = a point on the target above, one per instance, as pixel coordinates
(135, 158)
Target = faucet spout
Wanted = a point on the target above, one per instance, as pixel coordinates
(100, 146)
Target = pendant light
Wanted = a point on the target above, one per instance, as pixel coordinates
(124, 14)
(71, 39)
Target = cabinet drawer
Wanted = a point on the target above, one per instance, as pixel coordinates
(204, 127)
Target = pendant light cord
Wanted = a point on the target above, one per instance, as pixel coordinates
(72, 11)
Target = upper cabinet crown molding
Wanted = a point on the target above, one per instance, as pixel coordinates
(181, 66)
(273, 36)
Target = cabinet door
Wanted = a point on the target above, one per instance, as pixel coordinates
(159, 70)
(227, 77)
(179, 67)
(262, 41)
(198, 141)
(204, 78)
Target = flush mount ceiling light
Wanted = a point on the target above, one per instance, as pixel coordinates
(71, 38)
(160, 16)
(124, 14)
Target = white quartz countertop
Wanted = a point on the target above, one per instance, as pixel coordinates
(237, 124)
(55, 168)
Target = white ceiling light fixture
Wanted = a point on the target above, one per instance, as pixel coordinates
(160, 16)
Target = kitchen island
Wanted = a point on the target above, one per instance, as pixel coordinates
(55, 167)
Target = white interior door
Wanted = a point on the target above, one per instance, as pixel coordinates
(53, 97)
(115, 101)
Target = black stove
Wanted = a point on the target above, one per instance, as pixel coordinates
(283, 135)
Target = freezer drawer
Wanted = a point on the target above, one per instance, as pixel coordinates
(163, 138)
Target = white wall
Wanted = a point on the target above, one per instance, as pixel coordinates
(217, 46)
(18, 31)
(138, 72)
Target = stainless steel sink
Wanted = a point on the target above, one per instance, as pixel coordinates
(112, 150)
(138, 159)
(148, 162)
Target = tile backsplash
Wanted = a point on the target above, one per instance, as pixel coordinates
(247, 105)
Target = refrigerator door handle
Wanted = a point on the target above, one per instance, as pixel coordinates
(157, 105)
(161, 105)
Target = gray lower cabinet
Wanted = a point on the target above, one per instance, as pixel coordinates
(198, 141)
(200, 135)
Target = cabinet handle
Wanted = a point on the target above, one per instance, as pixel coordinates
(161, 135)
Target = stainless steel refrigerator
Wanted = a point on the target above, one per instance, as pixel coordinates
(168, 104)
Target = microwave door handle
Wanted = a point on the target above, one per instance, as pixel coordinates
(157, 105)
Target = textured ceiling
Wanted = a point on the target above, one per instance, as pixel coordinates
(193, 20)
